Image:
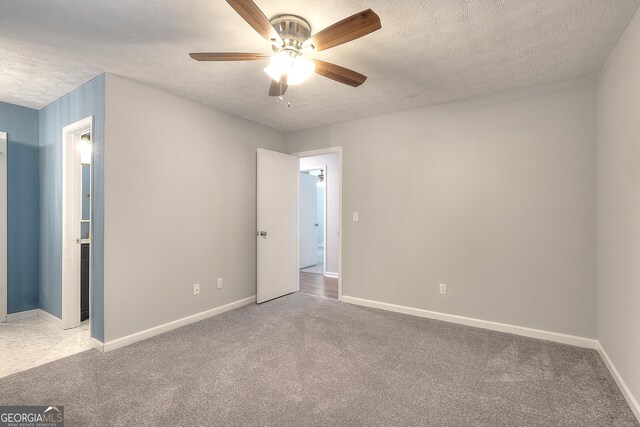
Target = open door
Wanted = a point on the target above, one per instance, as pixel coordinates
(277, 225)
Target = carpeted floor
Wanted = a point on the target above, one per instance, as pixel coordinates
(304, 360)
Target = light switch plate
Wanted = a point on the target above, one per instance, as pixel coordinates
(355, 217)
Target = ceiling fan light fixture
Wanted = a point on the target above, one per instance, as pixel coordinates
(296, 68)
(300, 71)
(279, 65)
(291, 38)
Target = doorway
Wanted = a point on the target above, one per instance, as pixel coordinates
(319, 222)
(34, 337)
(76, 228)
(278, 224)
(313, 195)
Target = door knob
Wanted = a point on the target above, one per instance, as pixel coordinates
(263, 233)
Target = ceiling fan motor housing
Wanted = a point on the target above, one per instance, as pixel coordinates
(293, 30)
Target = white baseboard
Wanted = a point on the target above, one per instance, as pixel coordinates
(333, 275)
(485, 324)
(631, 400)
(157, 330)
(97, 345)
(22, 315)
(50, 318)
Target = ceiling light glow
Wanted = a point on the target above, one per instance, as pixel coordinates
(297, 69)
(279, 65)
(301, 70)
(85, 152)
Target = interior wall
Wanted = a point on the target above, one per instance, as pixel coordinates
(23, 205)
(87, 100)
(619, 207)
(331, 163)
(493, 196)
(180, 206)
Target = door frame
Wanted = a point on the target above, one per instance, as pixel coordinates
(4, 202)
(71, 216)
(320, 152)
(324, 216)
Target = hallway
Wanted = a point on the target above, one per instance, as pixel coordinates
(317, 284)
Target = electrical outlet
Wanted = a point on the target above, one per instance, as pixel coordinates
(220, 283)
(443, 289)
(196, 289)
(355, 217)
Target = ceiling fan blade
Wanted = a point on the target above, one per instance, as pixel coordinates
(251, 13)
(339, 74)
(227, 56)
(348, 29)
(278, 88)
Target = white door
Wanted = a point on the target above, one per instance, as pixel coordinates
(308, 213)
(3, 226)
(277, 225)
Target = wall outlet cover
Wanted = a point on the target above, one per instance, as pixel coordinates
(443, 289)
(219, 285)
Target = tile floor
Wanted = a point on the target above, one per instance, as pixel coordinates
(34, 341)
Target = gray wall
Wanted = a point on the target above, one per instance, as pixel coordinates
(23, 206)
(494, 196)
(180, 206)
(87, 100)
(619, 206)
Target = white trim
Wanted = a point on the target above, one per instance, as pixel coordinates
(22, 315)
(631, 400)
(325, 219)
(50, 318)
(485, 324)
(71, 216)
(157, 330)
(4, 281)
(97, 345)
(320, 152)
(332, 275)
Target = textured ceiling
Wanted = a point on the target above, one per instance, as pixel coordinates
(428, 51)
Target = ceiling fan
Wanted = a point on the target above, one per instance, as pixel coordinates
(291, 39)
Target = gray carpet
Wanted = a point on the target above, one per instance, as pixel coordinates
(304, 360)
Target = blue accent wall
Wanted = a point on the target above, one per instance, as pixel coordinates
(87, 100)
(21, 125)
